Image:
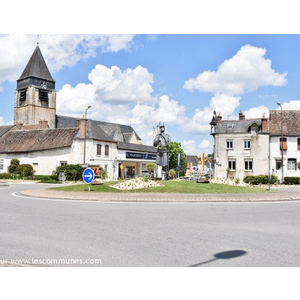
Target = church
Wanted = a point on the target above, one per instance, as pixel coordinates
(45, 140)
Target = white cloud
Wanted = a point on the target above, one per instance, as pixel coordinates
(292, 105)
(256, 112)
(190, 147)
(1, 121)
(59, 50)
(246, 71)
(117, 86)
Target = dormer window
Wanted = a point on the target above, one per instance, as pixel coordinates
(229, 126)
(254, 127)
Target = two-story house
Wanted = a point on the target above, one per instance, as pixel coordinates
(241, 147)
(284, 143)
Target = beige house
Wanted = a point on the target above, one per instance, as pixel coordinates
(241, 147)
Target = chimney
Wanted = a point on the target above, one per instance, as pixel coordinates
(43, 124)
(241, 116)
(219, 118)
(81, 125)
(264, 124)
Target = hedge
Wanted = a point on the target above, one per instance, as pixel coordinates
(291, 180)
(260, 179)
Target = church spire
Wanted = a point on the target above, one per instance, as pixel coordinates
(37, 68)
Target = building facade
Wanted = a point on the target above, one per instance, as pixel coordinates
(284, 153)
(241, 147)
(45, 140)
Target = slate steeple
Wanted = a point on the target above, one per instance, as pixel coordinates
(36, 71)
(35, 96)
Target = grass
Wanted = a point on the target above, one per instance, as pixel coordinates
(172, 186)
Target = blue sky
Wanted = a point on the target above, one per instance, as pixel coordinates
(178, 79)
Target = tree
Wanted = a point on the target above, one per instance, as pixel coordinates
(174, 150)
(24, 170)
(150, 168)
(13, 165)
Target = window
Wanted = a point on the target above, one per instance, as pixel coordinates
(291, 164)
(62, 163)
(1, 164)
(247, 144)
(229, 144)
(232, 165)
(99, 149)
(106, 150)
(248, 164)
(283, 144)
(298, 142)
(278, 164)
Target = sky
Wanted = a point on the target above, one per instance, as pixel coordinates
(176, 79)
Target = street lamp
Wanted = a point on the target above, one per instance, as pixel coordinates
(85, 120)
(281, 144)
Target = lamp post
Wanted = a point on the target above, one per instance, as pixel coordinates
(84, 149)
(281, 144)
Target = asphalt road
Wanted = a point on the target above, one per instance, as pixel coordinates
(111, 234)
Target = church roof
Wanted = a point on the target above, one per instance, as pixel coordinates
(36, 67)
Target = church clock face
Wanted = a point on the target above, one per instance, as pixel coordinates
(43, 84)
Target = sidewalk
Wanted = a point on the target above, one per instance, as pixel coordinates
(282, 195)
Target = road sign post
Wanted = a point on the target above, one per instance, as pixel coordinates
(88, 176)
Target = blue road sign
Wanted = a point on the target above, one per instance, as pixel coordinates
(88, 175)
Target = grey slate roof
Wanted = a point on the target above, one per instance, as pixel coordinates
(36, 67)
(290, 122)
(16, 141)
(192, 159)
(136, 147)
(99, 130)
(236, 126)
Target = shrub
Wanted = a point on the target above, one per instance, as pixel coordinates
(5, 176)
(24, 170)
(260, 179)
(69, 172)
(291, 180)
(14, 163)
(172, 173)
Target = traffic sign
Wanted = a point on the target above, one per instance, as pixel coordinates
(88, 175)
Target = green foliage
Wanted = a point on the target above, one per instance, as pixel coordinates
(260, 179)
(24, 170)
(5, 176)
(291, 180)
(174, 150)
(298, 165)
(150, 168)
(103, 174)
(172, 173)
(228, 172)
(13, 165)
(69, 171)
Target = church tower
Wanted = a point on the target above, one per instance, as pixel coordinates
(35, 96)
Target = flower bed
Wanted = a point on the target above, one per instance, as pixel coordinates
(136, 183)
(229, 182)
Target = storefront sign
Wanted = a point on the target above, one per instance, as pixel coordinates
(136, 155)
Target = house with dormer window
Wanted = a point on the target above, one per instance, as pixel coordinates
(241, 147)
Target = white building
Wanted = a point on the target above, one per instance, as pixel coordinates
(289, 149)
(241, 147)
(45, 140)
